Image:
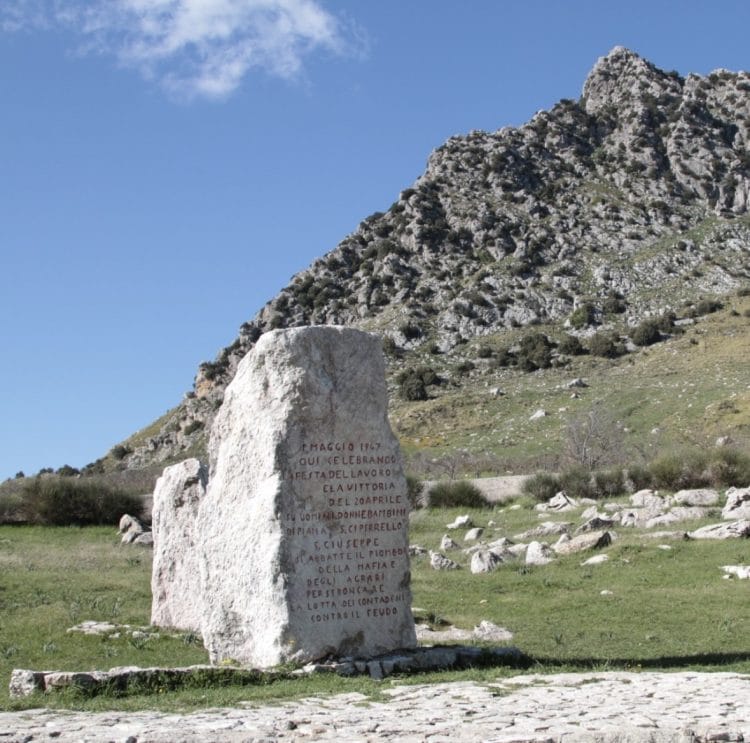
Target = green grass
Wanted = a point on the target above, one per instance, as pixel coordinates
(559, 616)
(680, 393)
(668, 610)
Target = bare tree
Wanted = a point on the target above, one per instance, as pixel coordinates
(595, 439)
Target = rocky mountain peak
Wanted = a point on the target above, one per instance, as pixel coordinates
(623, 77)
(613, 208)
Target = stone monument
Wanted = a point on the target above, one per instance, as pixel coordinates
(303, 545)
(175, 575)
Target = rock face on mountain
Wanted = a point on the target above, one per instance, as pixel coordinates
(623, 204)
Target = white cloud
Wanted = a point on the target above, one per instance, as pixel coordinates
(191, 47)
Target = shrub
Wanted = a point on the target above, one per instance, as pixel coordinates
(413, 383)
(63, 502)
(67, 471)
(605, 345)
(637, 477)
(456, 494)
(647, 333)
(120, 451)
(609, 483)
(707, 306)
(389, 346)
(728, 467)
(571, 346)
(484, 352)
(11, 508)
(192, 427)
(582, 316)
(410, 331)
(412, 389)
(683, 470)
(576, 482)
(465, 367)
(414, 488)
(541, 486)
(535, 352)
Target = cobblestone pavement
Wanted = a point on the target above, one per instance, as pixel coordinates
(562, 707)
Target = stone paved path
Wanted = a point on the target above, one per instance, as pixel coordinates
(563, 707)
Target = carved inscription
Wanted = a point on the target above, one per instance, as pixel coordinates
(347, 534)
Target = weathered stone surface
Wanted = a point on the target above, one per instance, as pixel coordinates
(485, 561)
(133, 530)
(461, 522)
(740, 571)
(441, 562)
(304, 549)
(648, 499)
(177, 595)
(545, 529)
(538, 553)
(698, 497)
(737, 505)
(608, 707)
(590, 540)
(446, 543)
(558, 503)
(728, 530)
(473, 534)
(595, 523)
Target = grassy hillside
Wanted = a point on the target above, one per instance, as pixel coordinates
(681, 393)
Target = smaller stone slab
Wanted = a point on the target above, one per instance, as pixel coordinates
(24, 682)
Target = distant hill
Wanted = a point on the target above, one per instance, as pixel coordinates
(595, 227)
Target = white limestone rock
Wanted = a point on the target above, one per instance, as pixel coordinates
(460, 522)
(698, 497)
(177, 599)
(737, 505)
(304, 550)
(539, 553)
(446, 543)
(739, 571)
(485, 561)
(648, 499)
(473, 534)
(728, 530)
(588, 541)
(441, 562)
(545, 529)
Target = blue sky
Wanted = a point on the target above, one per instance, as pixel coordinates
(166, 166)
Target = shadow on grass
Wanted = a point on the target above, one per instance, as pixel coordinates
(662, 662)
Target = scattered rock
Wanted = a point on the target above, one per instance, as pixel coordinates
(596, 560)
(490, 632)
(699, 497)
(415, 550)
(538, 414)
(729, 530)
(740, 571)
(545, 529)
(446, 543)
(441, 562)
(577, 382)
(558, 503)
(485, 561)
(473, 534)
(594, 524)
(648, 499)
(461, 522)
(131, 529)
(539, 553)
(737, 505)
(589, 541)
